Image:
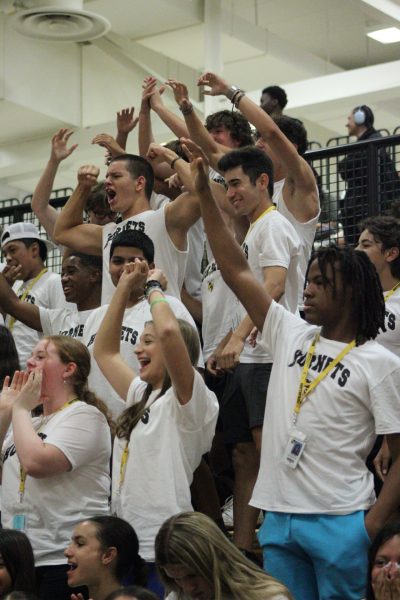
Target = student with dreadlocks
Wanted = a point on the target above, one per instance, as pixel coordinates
(332, 389)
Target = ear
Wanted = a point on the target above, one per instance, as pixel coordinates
(263, 181)
(70, 369)
(34, 249)
(392, 253)
(95, 275)
(140, 183)
(109, 555)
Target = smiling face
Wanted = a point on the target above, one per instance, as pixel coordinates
(222, 136)
(387, 561)
(85, 556)
(242, 194)
(192, 584)
(149, 354)
(374, 248)
(77, 280)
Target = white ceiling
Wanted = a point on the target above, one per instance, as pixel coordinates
(317, 49)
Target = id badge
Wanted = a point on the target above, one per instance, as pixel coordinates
(294, 448)
(19, 522)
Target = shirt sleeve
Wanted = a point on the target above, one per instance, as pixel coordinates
(78, 433)
(135, 391)
(277, 243)
(386, 404)
(202, 408)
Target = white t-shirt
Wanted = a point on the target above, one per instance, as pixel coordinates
(132, 327)
(271, 242)
(167, 257)
(54, 505)
(64, 321)
(391, 337)
(46, 292)
(305, 231)
(358, 399)
(165, 448)
(220, 308)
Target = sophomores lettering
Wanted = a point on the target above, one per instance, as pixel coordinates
(319, 362)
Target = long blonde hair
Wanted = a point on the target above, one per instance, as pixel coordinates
(194, 541)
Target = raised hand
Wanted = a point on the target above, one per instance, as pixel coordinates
(29, 395)
(217, 85)
(87, 176)
(159, 276)
(11, 390)
(134, 274)
(179, 89)
(126, 120)
(59, 141)
(11, 273)
(109, 143)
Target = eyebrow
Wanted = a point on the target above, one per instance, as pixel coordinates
(78, 538)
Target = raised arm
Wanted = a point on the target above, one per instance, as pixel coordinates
(27, 313)
(228, 254)
(145, 136)
(47, 214)
(126, 122)
(197, 131)
(301, 194)
(175, 353)
(107, 343)
(171, 120)
(69, 229)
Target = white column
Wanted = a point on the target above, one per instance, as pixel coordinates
(212, 47)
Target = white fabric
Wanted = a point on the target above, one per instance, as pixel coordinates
(220, 308)
(165, 448)
(271, 242)
(305, 231)
(54, 505)
(46, 292)
(341, 417)
(391, 337)
(196, 237)
(132, 327)
(64, 321)
(166, 257)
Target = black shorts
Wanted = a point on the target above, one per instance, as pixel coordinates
(243, 402)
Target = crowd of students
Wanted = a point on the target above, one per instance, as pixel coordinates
(192, 326)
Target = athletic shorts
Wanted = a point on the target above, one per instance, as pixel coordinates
(243, 402)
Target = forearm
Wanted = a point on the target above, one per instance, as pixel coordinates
(145, 135)
(108, 337)
(72, 213)
(25, 312)
(200, 135)
(5, 422)
(30, 447)
(194, 306)
(46, 214)
(122, 139)
(175, 123)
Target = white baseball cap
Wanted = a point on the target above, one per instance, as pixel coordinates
(18, 231)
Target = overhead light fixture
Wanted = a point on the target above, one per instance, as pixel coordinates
(390, 35)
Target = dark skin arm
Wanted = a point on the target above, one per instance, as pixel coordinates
(25, 312)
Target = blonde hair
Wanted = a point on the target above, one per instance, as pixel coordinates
(71, 350)
(132, 415)
(194, 541)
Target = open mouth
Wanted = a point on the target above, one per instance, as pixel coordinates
(110, 195)
(71, 569)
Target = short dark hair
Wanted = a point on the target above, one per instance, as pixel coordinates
(28, 242)
(138, 167)
(113, 531)
(294, 131)
(134, 239)
(90, 261)
(176, 146)
(235, 123)
(254, 163)
(385, 230)
(9, 360)
(359, 274)
(277, 93)
(17, 555)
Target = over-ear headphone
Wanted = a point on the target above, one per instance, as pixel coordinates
(363, 115)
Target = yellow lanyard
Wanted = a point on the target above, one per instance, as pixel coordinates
(26, 292)
(268, 210)
(392, 291)
(122, 467)
(22, 473)
(305, 387)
